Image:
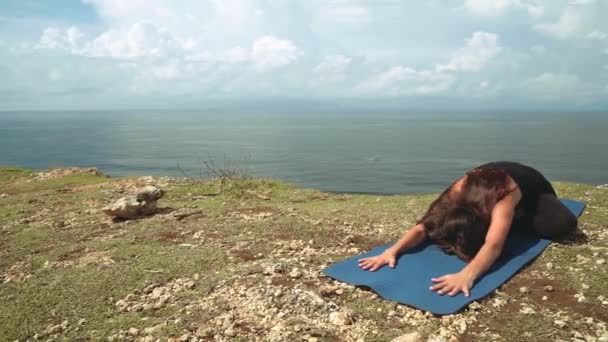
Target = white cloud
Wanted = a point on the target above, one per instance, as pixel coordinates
(597, 34)
(235, 55)
(55, 38)
(581, 2)
(344, 13)
(555, 84)
(52, 38)
(269, 53)
(210, 18)
(483, 84)
(402, 80)
(333, 64)
(569, 22)
(492, 8)
(479, 50)
(142, 39)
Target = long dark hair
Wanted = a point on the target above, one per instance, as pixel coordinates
(459, 224)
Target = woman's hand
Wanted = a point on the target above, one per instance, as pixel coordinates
(373, 263)
(453, 284)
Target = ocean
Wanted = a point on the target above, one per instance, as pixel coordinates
(381, 153)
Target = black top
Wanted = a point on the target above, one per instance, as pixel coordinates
(530, 181)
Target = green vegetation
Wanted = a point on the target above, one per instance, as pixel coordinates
(62, 259)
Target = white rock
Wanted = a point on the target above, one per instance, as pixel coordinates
(545, 298)
(600, 261)
(150, 194)
(295, 273)
(524, 289)
(559, 323)
(527, 311)
(410, 337)
(129, 208)
(340, 318)
(548, 288)
(143, 203)
(499, 302)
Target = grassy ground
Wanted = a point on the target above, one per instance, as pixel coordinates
(241, 261)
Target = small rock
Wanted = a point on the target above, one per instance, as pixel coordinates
(544, 298)
(527, 311)
(295, 273)
(327, 290)
(584, 286)
(133, 331)
(600, 261)
(410, 337)
(150, 194)
(499, 302)
(559, 323)
(340, 318)
(475, 306)
(3, 195)
(230, 332)
(549, 265)
(524, 289)
(82, 321)
(548, 288)
(143, 203)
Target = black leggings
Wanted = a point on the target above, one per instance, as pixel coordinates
(552, 218)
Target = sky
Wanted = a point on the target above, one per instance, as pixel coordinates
(287, 55)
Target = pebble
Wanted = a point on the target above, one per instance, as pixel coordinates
(600, 261)
(545, 298)
(580, 298)
(295, 273)
(524, 289)
(499, 302)
(3, 195)
(549, 265)
(559, 323)
(410, 337)
(340, 318)
(548, 288)
(527, 311)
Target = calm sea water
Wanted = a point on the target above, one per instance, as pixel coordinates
(376, 153)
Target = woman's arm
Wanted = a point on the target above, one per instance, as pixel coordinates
(411, 238)
(502, 216)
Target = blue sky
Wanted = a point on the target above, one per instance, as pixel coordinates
(287, 55)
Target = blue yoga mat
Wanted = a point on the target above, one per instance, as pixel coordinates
(409, 282)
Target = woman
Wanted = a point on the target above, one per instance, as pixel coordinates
(474, 215)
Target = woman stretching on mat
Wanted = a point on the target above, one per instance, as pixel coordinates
(474, 215)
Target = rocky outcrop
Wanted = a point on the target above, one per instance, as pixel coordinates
(143, 203)
(56, 173)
